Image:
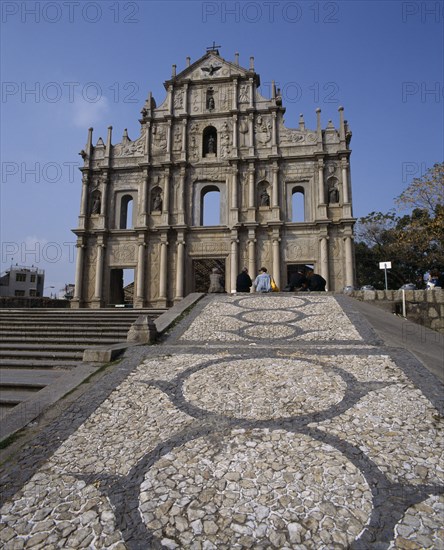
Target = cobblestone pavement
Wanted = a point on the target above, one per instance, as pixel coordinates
(273, 421)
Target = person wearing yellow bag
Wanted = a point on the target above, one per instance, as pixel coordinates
(262, 283)
(274, 287)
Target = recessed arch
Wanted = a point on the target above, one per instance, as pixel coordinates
(263, 193)
(156, 199)
(209, 141)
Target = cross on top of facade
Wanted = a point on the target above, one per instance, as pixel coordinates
(213, 48)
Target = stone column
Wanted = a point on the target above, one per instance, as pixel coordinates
(166, 192)
(251, 88)
(180, 267)
(250, 131)
(99, 272)
(184, 140)
(275, 188)
(321, 181)
(140, 287)
(342, 127)
(169, 129)
(234, 102)
(320, 144)
(344, 167)
(78, 288)
(148, 140)
(348, 261)
(277, 261)
(251, 200)
(84, 199)
(273, 129)
(235, 135)
(181, 205)
(252, 256)
(163, 269)
(170, 99)
(104, 211)
(143, 200)
(323, 244)
(234, 197)
(185, 97)
(234, 261)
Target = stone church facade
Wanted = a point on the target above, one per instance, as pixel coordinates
(283, 195)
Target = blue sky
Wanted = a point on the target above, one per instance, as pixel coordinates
(66, 66)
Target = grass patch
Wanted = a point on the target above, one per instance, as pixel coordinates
(4, 443)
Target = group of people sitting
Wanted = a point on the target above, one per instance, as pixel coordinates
(302, 280)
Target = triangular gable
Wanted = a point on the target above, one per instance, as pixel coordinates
(209, 66)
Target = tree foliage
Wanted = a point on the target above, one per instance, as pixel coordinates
(413, 242)
(426, 192)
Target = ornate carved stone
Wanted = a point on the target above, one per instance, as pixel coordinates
(244, 93)
(214, 133)
(123, 253)
(159, 138)
(263, 130)
(178, 99)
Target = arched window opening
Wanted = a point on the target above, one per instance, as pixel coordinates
(126, 212)
(209, 139)
(298, 205)
(210, 206)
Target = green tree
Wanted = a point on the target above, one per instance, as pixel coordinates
(426, 192)
(413, 242)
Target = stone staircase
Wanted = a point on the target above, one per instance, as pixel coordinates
(37, 346)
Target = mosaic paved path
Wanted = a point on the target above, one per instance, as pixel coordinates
(272, 421)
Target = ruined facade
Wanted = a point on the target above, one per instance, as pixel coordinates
(283, 195)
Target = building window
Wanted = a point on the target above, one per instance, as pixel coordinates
(126, 212)
(32, 278)
(20, 277)
(19, 293)
(298, 205)
(33, 292)
(210, 206)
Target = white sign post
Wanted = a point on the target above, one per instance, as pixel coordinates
(385, 266)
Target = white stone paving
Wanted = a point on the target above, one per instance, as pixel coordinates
(216, 446)
(312, 318)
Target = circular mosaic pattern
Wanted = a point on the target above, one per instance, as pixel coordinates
(255, 488)
(265, 301)
(279, 316)
(269, 331)
(417, 529)
(263, 389)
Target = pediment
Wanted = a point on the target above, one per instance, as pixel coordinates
(210, 67)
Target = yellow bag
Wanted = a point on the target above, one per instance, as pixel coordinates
(274, 287)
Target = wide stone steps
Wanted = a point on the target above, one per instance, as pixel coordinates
(29, 378)
(38, 353)
(48, 340)
(12, 397)
(37, 346)
(69, 346)
(10, 363)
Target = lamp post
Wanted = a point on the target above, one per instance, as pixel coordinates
(52, 286)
